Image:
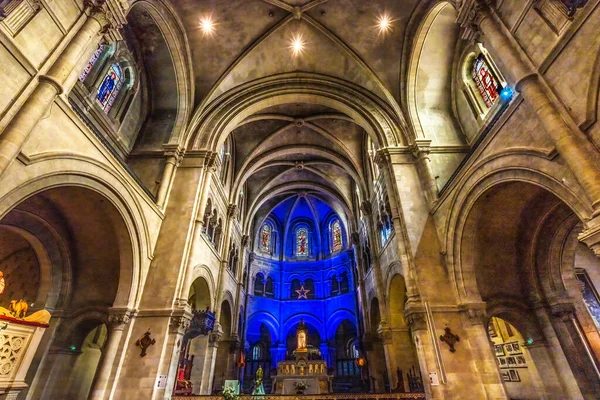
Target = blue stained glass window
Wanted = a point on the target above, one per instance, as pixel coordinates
(590, 296)
(301, 242)
(90, 64)
(110, 87)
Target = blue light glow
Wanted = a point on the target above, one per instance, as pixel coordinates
(506, 94)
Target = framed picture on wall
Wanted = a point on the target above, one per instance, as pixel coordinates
(511, 361)
(521, 361)
(502, 362)
(513, 348)
(505, 375)
(499, 350)
(514, 375)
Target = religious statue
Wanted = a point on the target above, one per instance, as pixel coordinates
(2, 283)
(258, 382)
(301, 335)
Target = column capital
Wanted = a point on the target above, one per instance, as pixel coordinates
(476, 313)
(420, 147)
(180, 320)
(470, 15)
(562, 308)
(245, 241)
(591, 235)
(232, 210)
(119, 318)
(416, 317)
(366, 208)
(174, 150)
(384, 332)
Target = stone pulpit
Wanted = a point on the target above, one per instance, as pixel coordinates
(303, 368)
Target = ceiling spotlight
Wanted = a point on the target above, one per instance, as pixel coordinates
(384, 23)
(297, 45)
(207, 25)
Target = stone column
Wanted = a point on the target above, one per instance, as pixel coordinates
(417, 321)
(421, 150)
(483, 357)
(174, 156)
(16, 133)
(578, 153)
(160, 305)
(210, 360)
(117, 322)
(231, 213)
(384, 161)
(575, 348)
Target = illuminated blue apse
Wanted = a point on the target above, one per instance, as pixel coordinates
(286, 284)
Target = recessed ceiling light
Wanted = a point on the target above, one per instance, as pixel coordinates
(384, 23)
(297, 45)
(207, 25)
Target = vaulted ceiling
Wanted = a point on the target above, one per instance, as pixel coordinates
(252, 39)
(294, 147)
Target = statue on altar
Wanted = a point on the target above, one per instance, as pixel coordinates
(301, 332)
(258, 382)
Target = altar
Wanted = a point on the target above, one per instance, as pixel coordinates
(302, 370)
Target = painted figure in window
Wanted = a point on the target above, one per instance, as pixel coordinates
(108, 90)
(336, 236)
(265, 238)
(90, 64)
(302, 242)
(485, 81)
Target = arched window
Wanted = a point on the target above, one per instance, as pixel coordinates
(269, 288)
(110, 87)
(335, 286)
(485, 80)
(309, 286)
(336, 236)
(257, 352)
(344, 283)
(259, 285)
(301, 242)
(265, 238)
(293, 289)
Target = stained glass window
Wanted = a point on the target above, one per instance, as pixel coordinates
(484, 79)
(301, 242)
(90, 64)
(108, 90)
(336, 236)
(590, 296)
(265, 238)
